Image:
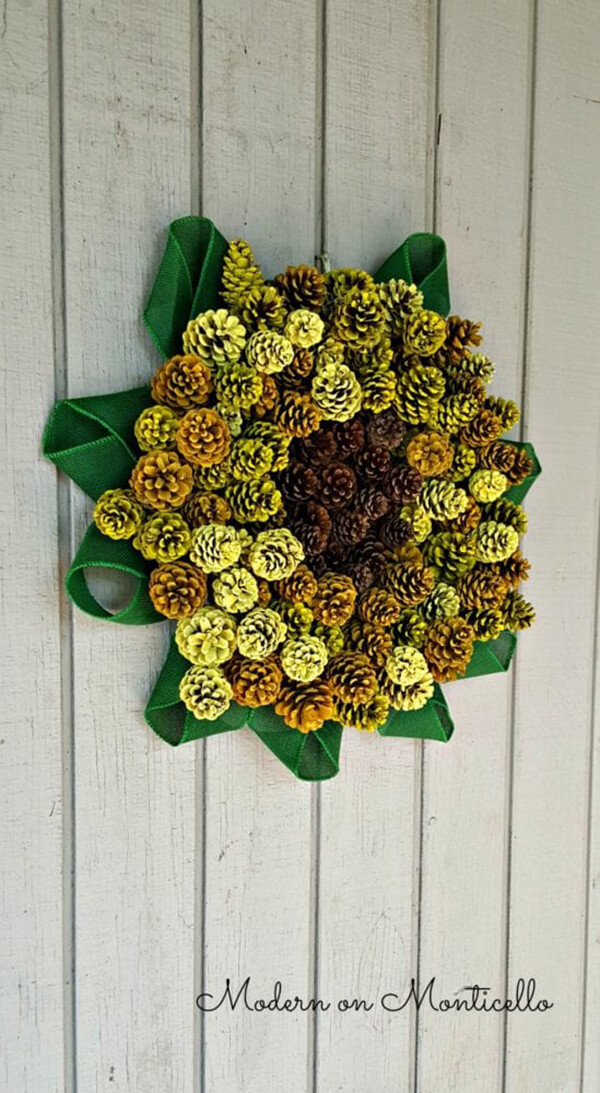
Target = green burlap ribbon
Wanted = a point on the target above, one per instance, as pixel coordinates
(92, 441)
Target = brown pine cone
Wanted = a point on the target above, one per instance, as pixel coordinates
(350, 437)
(482, 430)
(409, 582)
(373, 462)
(255, 682)
(297, 372)
(373, 503)
(161, 481)
(371, 550)
(350, 527)
(351, 677)
(462, 333)
(319, 447)
(498, 457)
(337, 486)
(177, 589)
(333, 602)
(206, 508)
(298, 415)
(385, 429)
(299, 482)
(300, 587)
(305, 706)
(302, 286)
(403, 485)
(203, 437)
(429, 453)
(269, 400)
(448, 648)
(363, 575)
(395, 531)
(514, 569)
(521, 467)
(182, 383)
(313, 528)
(374, 641)
(380, 606)
(482, 588)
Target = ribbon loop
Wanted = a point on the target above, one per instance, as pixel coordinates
(187, 282)
(92, 439)
(99, 552)
(422, 260)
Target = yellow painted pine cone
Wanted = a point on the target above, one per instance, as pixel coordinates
(163, 538)
(411, 629)
(303, 658)
(514, 569)
(399, 300)
(269, 352)
(337, 392)
(359, 317)
(482, 430)
(495, 541)
(160, 480)
(374, 641)
(305, 706)
(177, 589)
(450, 555)
(487, 485)
(442, 500)
(205, 692)
(269, 400)
(260, 632)
(156, 427)
(275, 554)
(429, 453)
(406, 665)
(334, 600)
(207, 638)
(303, 328)
(274, 438)
(235, 590)
(411, 697)
(118, 514)
(380, 606)
(264, 308)
(418, 392)
(481, 588)
(215, 547)
(488, 623)
(448, 648)
(365, 716)
(241, 274)
(255, 501)
(255, 682)
(297, 617)
(517, 612)
(217, 337)
(378, 391)
(410, 583)
(351, 677)
(215, 477)
(464, 461)
(424, 333)
(203, 437)
(505, 409)
(333, 636)
(250, 459)
(298, 414)
(238, 386)
(182, 383)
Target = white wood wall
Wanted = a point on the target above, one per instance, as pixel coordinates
(134, 876)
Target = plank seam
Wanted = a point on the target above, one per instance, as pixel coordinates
(588, 865)
(65, 540)
(526, 345)
(432, 173)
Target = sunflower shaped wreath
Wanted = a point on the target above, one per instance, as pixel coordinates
(315, 490)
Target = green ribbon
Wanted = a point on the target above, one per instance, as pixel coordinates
(92, 440)
(421, 260)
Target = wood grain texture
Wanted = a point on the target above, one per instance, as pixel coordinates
(377, 137)
(259, 181)
(126, 174)
(555, 664)
(31, 805)
(482, 164)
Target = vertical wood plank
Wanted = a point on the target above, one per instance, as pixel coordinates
(259, 181)
(591, 1032)
(481, 210)
(377, 138)
(555, 668)
(31, 805)
(127, 173)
